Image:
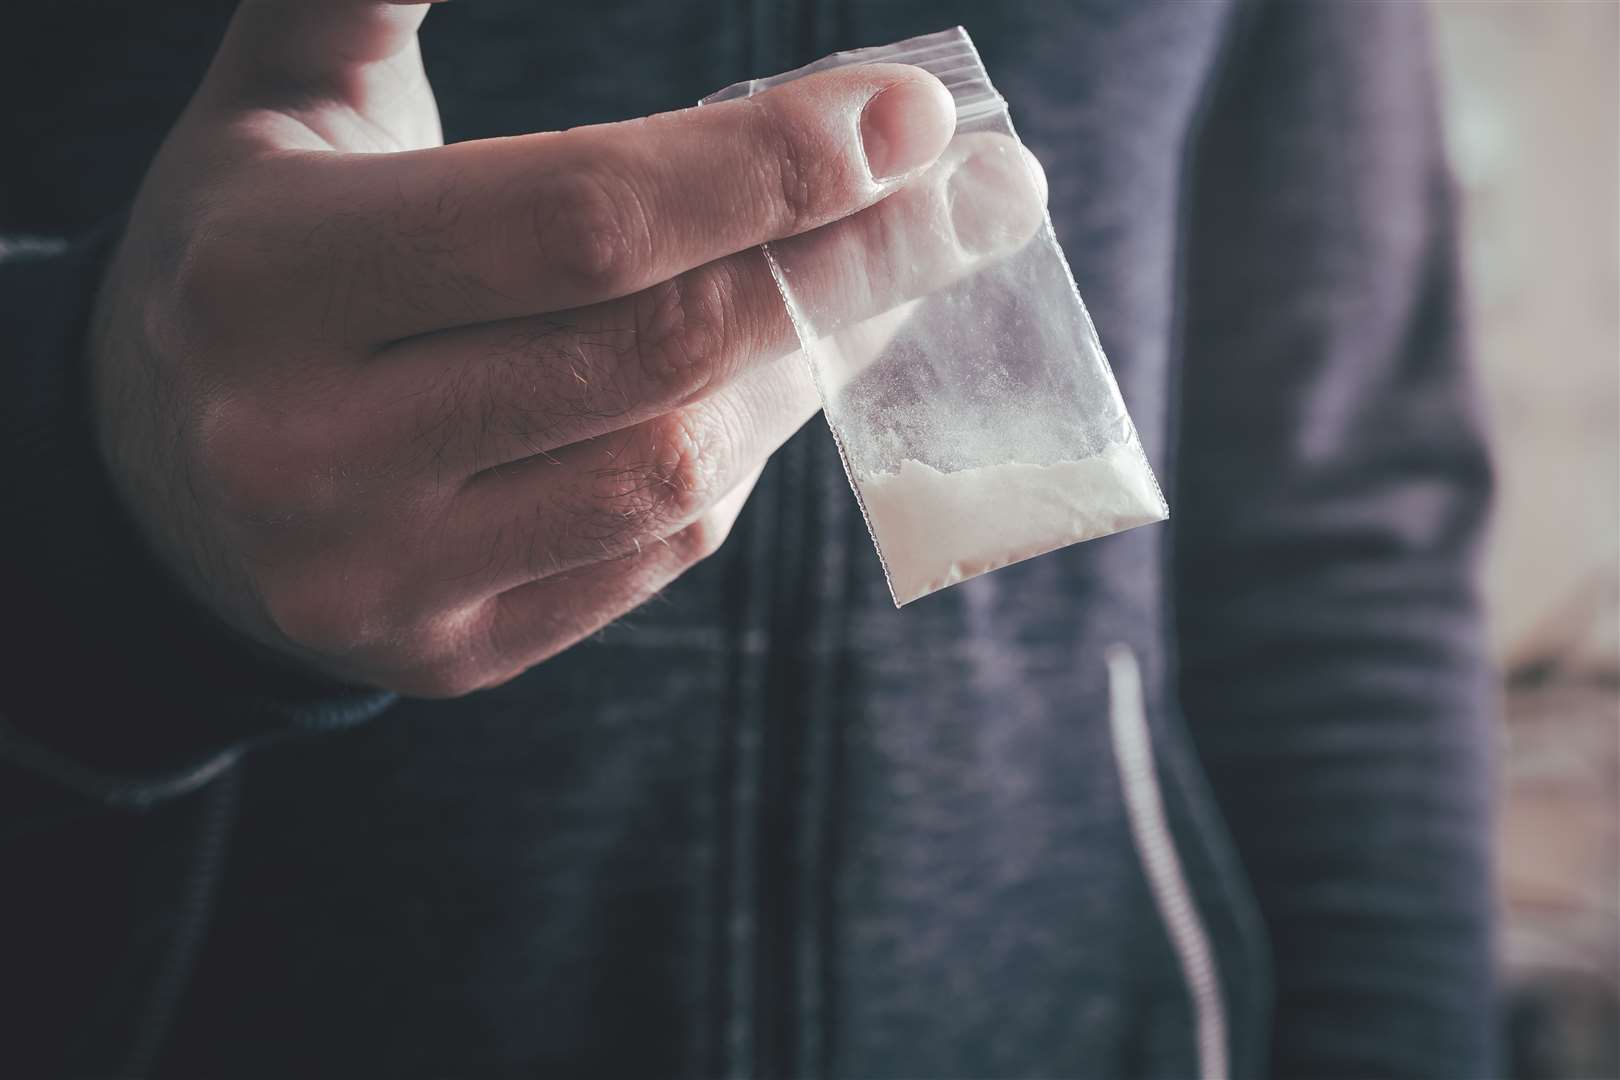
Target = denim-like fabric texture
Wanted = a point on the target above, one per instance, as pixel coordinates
(767, 825)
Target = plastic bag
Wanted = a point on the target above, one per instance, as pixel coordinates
(976, 415)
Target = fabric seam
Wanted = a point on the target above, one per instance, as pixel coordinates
(1229, 870)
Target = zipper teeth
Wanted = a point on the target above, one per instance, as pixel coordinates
(977, 105)
(1156, 848)
(957, 70)
(925, 51)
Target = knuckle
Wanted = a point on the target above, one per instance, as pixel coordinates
(701, 539)
(667, 483)
(314, 612)
(591, 230)
(433, 654)
(267, 464)
(447, 676)
(688, 444)
(682, 331)
(448, 655)
(799, 174)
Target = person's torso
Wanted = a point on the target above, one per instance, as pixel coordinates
(767, 824)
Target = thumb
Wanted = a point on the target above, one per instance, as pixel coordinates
(310, 48)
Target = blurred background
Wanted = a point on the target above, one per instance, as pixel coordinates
(1532, 98)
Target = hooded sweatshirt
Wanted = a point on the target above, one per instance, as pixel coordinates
(1207, 799)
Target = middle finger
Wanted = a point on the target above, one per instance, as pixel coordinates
(610, 496)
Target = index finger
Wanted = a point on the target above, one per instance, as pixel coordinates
(502, 228)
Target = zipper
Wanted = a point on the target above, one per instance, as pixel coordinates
(781, 740)
(1250, 1050)
(783, 1027)
(781, 718)
(789, 969)
(1161, 865)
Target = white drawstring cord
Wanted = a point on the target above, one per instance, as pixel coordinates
(1156, 848)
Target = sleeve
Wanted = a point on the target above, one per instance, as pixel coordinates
(114, 687)
(1332, 487)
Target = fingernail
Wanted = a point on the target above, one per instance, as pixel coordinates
(905, 126)
(997, 199)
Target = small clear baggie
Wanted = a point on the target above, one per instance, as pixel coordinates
(964, 383)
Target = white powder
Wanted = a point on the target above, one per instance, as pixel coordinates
(938, 528)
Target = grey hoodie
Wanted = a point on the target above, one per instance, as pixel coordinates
(1203, 799)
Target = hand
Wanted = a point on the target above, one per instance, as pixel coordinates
(421, 416)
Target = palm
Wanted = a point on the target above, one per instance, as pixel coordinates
(394, 108)
(388, 107)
